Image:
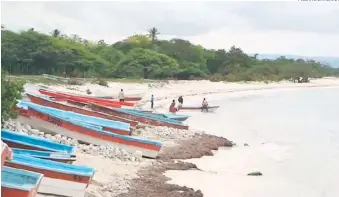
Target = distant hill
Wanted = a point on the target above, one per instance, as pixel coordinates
(331, 61)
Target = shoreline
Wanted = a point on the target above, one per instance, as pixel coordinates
(124, 175)
(153, 183)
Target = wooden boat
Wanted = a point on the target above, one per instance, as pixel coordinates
(210, 108)
(143, 118)
(6, 153)
(104, 124)
(128, 98)
(49, 155)
(24, 141)
(59, 178)
(41, 119)
(19, 183)
(179, 117)
(49, 103)
(104, 102)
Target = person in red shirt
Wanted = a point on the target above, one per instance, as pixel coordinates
(204, 105)
(172, 108)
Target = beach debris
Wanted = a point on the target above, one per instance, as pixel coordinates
(246, 144)
(256, 173)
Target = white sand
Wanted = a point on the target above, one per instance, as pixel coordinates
(112, 176)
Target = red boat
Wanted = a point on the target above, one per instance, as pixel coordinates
(6, 153)
(104, 102)
(128, 98)
(61, 106)
(19, 183)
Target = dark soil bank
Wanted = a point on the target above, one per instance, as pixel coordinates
(152, 182)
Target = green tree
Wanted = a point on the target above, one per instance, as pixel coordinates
(146, 63)
(56, 33)
(10, 92)
(153, 34)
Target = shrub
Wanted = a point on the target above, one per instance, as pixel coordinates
(10, 92)
(74, 82)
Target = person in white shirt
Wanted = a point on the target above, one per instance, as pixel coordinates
(121, 96)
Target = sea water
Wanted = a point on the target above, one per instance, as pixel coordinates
(293, 139)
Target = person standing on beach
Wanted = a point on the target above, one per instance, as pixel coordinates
(204, 105)
(152, 101)
(121, 96)
(181, 100)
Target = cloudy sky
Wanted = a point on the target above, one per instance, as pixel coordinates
(300, 28)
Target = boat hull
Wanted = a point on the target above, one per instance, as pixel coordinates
(144, 120)
(6, 153)
(105, 102)
(55, 181)
(48, 103)
(19, 183)
(210, 109)
(54, 125)
(24, 141)
(48, 155)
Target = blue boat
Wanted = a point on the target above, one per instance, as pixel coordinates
(19, 183)
(150, 115)
(87, 131)
(54, 156)
(24, 141)
(179, 117)
(80, 118)
(59, 178)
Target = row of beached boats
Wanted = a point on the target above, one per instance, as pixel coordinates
(33, 164)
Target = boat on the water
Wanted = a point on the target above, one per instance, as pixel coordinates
(210, 108)
(49, 155)
(179, 117)
(59, 178)
(51, 120)
(141, 117)
(24, 141)
(106, 102)
(6, 153)
(49, 103)
(19, 183)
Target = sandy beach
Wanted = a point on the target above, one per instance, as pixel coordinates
(129, 175)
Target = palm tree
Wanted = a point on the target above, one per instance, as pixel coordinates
(31, 29)
(55, 33)
(2, 26)
(153, 32)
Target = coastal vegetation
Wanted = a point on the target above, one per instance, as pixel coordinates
(143, 57)
(10, 92)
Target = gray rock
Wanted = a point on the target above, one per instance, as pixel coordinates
(28, 127)
(256, 173)
(246, 144)
(34, 131)
(48, 136)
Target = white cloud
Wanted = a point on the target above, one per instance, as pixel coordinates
(304, 28)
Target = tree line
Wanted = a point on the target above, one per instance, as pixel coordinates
(142, 56)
